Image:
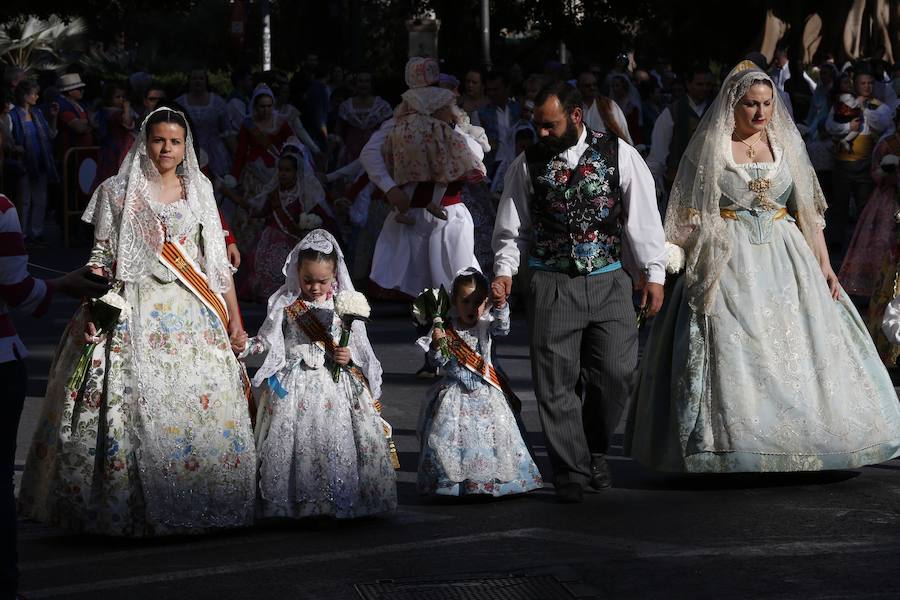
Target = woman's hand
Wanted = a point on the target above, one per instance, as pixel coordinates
(834, 286)
(90, 333)
(342, 355)
(237, 336)
(234, 255)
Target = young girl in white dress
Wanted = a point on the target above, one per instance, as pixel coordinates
(471, 443)
(321, 445)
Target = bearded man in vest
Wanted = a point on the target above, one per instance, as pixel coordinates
(576, 206)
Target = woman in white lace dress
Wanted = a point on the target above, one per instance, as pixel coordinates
(157, 440)
(322, 445)
(758, 361)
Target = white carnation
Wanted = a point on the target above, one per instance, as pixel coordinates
(309, 221)
(352, 303)
(674, 258)
(116, 301)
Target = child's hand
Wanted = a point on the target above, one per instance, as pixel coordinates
(342, 355)
(499, 303)
(238, 341)
(437, 334)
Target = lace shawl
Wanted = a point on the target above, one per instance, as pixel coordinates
(121, 214)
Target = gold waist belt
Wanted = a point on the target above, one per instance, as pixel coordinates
(727, 213)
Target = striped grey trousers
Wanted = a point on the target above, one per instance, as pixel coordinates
(584, 350)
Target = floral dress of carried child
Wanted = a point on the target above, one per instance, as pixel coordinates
(471, 442)
(322, 445)
(157, 440)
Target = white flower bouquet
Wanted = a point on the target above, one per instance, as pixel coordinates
(674, 258)
(349, 306)
(106, 312)
(309, 221)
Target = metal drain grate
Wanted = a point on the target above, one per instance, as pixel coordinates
(482, 588)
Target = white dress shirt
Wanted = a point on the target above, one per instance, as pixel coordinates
(594, 120)
(373, 161)
(644, 240)
(661, 139)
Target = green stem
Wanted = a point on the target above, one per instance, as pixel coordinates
(345, 340)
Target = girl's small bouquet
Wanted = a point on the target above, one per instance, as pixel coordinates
(430, 309)
(105, 312)
(349, 307)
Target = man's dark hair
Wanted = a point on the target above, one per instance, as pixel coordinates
(569, 96)
(698, 69)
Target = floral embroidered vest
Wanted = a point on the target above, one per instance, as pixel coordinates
(577, 213)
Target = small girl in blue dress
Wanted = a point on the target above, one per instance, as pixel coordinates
(471, 443)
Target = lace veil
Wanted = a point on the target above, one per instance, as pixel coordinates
(271, 333)
(121, 213)
(693, 220)
(306, 186)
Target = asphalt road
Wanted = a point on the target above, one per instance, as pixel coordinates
(825, 535)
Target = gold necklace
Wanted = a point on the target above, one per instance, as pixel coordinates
(751, 153)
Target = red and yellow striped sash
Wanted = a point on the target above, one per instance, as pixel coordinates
(476, 363)
(187, 271)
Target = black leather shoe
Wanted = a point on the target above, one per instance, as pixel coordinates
(569, 493)
(601, 478)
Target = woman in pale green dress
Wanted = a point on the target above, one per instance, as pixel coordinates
(758, 361)
(157, 439)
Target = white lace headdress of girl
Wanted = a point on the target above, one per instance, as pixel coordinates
(121, 213)
(271, 333)
(693, 220)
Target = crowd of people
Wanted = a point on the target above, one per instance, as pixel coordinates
(581, 193)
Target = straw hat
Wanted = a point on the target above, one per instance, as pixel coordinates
(69, 82)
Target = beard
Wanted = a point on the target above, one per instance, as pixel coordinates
(548, 147)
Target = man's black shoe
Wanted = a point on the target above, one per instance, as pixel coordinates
(601, 478)
(569, 493)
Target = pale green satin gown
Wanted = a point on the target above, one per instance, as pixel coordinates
(780, 378)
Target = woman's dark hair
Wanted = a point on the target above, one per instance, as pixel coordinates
(25, 87)
(166, 116)
(316, 256)
(469, 278)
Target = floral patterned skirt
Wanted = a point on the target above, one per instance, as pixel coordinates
(322, 450)
(158, 440)
(472, 445)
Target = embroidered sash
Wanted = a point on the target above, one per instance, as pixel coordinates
(189, 273)
(475, 363)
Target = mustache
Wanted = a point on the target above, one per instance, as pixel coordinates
(548, 147)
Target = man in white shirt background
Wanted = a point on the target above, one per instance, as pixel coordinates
(676, 125)
(581, 318)
(599, 110)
